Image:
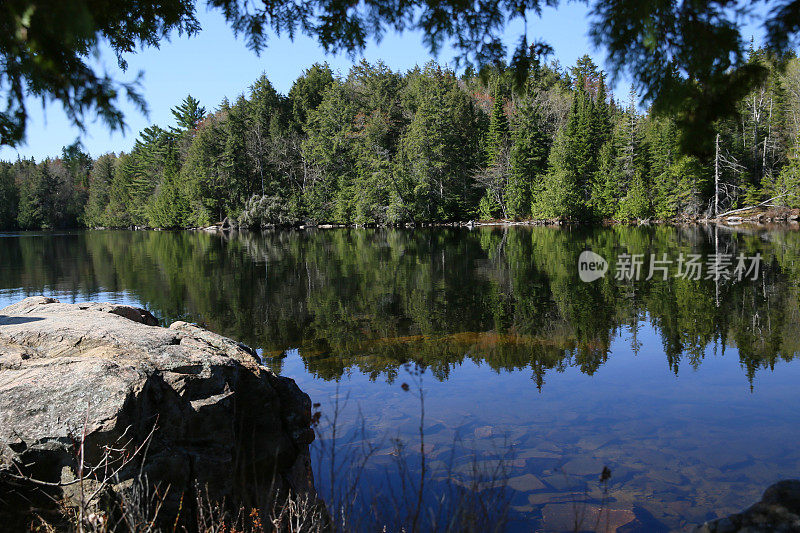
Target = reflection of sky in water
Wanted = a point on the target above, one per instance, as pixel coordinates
(9, 296)
(679, 448)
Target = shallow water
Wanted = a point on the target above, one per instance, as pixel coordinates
(685, 389)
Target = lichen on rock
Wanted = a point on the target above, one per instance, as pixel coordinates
(106, 375)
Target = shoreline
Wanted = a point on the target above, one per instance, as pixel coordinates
(765, 224)
(754, 216)
(750, 217)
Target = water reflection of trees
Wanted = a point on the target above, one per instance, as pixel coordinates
(375, 299)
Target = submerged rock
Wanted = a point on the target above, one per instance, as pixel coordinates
(107, 375)
(778, 510)
(584, 517)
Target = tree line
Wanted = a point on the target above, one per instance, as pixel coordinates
(377, 146)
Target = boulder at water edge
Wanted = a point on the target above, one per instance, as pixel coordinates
(182, 408)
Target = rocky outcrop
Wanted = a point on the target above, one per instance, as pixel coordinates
(107, 375)
(778, 510)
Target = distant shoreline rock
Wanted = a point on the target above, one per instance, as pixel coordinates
(107, 375)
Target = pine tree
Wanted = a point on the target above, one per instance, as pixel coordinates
(120, 204)
(239, 175)
(189, 114)
(529, 153)
(786, 185)
(9, 197)
(631, 181)
(497, 137)
(267, 121)
(377, 129)
(99, 190)
(601, 120)
(664, 151)
(587, 75)
(154, 149)
(78, 162)
(606, 189)
(37, 204)
(677, 181)
(439, 151)
(559, 194)
(202, 179)
(581, 157)
(307, 92)
(496, 176)
(567, 185)
(381, 146)
(329, 152)
(620, 185)
(168, 207)
(423, 153)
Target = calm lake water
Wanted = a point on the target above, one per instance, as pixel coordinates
(687, 390)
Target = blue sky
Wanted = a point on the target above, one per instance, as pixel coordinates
(214, 64)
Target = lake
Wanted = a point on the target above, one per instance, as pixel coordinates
(685, 389)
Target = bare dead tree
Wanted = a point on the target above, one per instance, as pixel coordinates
(496, 178)
(725, 194)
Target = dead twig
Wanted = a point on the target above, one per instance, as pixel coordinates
(765, 202)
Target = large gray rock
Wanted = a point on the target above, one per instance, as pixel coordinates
(778, 510)
(223, 421)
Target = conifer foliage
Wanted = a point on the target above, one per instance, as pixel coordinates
(382, 147)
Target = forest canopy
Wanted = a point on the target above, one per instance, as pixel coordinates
(376, 146)
(687, 58)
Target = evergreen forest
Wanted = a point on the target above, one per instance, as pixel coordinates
(379, 147)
